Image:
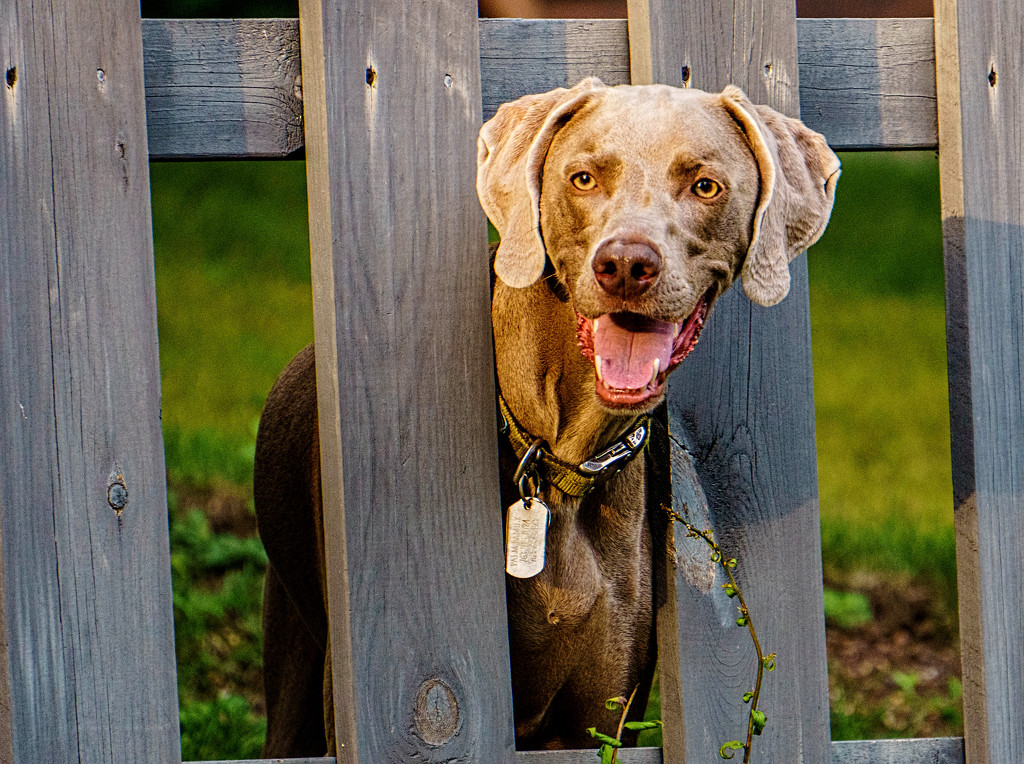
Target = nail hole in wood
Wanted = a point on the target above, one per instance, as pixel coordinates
(447, 80)
(686, 76)
(767, 70)
(992, 77)
(12, 76)
(371, 76)
(101, 76)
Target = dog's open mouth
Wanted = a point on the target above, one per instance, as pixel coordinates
(633, 354)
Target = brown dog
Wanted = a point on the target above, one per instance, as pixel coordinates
(624, 213)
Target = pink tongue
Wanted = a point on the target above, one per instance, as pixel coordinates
(627, 355)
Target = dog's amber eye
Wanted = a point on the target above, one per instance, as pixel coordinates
(706, 189)
(584, 181)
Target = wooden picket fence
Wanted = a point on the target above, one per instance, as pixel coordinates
(390, 98)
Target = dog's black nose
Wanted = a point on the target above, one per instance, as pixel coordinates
(626, 268)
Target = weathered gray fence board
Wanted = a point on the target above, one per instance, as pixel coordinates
(981, 47)
(942, 750)
(314, 760)
(947, 750)
(742, 405)
(626, 756)
(403, 342)
(869, 83)
(6, 730)
(87, 591)
(222, 88)
(521, 56)
(230, 88)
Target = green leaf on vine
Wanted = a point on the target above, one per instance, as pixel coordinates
(727, 751)
(615, 704)
(638, 726)
(604, 739)
(759, 720)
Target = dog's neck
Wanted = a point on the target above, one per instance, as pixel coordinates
(546, 381)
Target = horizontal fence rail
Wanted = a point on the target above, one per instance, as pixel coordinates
(219, 89)
(942, 750)
(939, 750)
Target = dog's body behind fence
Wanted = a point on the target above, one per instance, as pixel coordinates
(571, 644)
(641, 206)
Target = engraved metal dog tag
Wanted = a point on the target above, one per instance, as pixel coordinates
(526, 531)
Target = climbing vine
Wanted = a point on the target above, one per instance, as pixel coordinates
(756, 719)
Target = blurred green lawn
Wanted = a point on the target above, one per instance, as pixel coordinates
(880, 386)
(233, 289)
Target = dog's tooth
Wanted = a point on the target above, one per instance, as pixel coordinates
(595, 324)
(654, 373)
(679, 328)
(597, 366)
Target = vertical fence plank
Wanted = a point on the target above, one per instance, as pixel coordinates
(742, 405)
(980, 60)
(6, 728)
(87, 595)
(405, 377)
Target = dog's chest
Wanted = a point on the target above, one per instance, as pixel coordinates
(597, 567)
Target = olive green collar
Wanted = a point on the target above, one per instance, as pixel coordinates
(574, 479)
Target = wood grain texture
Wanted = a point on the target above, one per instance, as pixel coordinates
(314, 760)
(226, 89)
(981, 48)
(403, 339)
(6, 728)
(626, 756)
(868, 83)
(943, 750)
(87, 590)
(742, 405)
(521, 56)
(222, 88)
(919, 751)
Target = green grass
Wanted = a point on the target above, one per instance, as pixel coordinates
(218, 587)
(233, 287)
(881, 398)
(234, 304)
(233, 293)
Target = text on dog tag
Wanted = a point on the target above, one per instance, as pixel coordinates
(526, 531)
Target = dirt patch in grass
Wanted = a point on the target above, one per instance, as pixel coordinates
(217, 564)
(897, 674)
(227, 507)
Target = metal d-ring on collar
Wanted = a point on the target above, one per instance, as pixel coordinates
(527, 471)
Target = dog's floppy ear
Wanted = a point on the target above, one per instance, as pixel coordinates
(798, 173)
(510, 159)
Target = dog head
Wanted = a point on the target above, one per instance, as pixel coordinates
(649, 201)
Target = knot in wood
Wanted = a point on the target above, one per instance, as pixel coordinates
(436, 715)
